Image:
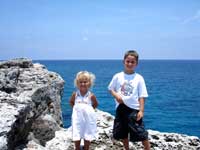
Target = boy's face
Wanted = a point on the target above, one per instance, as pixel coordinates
(130, 63)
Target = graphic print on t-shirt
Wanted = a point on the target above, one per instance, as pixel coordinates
(126, 89)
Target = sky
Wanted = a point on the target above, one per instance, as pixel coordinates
(99, 29)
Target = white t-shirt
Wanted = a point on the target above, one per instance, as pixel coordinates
(131, 87)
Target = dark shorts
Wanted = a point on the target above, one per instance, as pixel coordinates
(125, 125)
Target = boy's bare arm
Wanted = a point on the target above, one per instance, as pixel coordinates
(116, 96)
(141, 110)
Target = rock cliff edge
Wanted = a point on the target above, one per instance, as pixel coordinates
(31, 118)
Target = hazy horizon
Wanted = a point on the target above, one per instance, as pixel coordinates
(101, 59)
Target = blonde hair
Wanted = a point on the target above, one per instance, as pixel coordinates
(84, 74)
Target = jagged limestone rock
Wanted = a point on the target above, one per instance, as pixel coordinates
(30, 98)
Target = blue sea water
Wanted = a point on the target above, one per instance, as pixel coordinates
(173, 86)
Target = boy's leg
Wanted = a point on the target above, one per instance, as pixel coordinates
(77, 145)
(126, 143)
(146, 144)
(86, 144)
(120, 129)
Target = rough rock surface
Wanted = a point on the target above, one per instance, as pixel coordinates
(30, 98)
(30, 115)
(104, 141)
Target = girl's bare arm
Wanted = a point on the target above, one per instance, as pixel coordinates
(94, 101)
(72, 99)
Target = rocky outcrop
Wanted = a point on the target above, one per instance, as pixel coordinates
(104, 141)
(30, 115)
(30, 98)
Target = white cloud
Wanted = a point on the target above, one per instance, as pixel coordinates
(85, 38)
(85, 34)
(194, 18)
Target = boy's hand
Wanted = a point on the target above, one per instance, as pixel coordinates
(117, 96)
(140, 115)
(119, 99)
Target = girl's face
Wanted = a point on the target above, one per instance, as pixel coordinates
(83, 84)
(130, 63)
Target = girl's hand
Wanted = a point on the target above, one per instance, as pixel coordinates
(140, 115)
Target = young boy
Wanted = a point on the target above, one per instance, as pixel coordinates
(129, 90)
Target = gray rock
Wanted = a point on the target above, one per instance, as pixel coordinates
(18, 62)
(30, 98)
(30, 115)
(104, 140)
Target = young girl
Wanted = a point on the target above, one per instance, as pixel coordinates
(83, 102)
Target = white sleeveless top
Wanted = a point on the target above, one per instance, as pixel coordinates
(83, 118)
(86, 99)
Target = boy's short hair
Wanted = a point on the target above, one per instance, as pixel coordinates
(132, 53)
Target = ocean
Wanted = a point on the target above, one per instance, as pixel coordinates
(173, 86)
